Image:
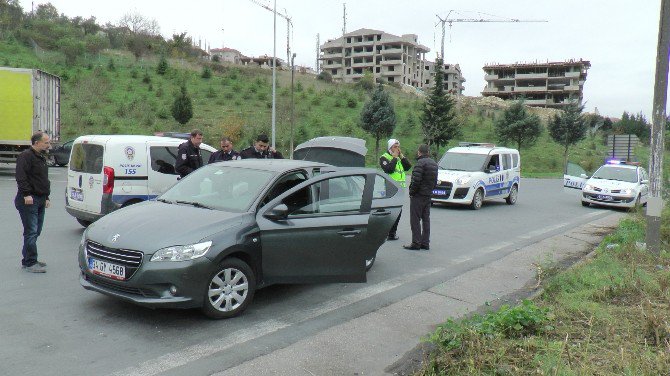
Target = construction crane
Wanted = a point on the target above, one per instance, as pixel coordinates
(289, 25)
(450, 21)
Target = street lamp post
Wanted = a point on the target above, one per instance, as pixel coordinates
(292, 100)
(274, 74)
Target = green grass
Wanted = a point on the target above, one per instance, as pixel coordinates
(236, 101)
(609, 315)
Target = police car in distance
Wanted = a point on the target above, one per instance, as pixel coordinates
(617, 184)
(474, 172)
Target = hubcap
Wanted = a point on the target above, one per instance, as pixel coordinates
(478, 199)
(228, 290)
(513, 195)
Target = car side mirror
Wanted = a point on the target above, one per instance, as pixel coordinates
(584, 176)
(279, 212)
(645, 181)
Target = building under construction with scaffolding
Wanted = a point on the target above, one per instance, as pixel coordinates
(390, 58)
(550, 84)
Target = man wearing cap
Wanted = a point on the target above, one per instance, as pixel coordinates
(394, 163)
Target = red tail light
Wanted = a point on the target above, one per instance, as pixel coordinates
(108, 181)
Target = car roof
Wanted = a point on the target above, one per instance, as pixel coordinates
(274, 165)
(480, 149)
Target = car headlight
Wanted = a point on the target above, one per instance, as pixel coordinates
(182, 252)
(588, 187)
(628, 191)
(463, 180)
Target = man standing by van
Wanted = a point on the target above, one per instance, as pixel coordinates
(424, 180)
(394, 163)
(189, 158)
(227, 153)
(32, 198)
(261, 150)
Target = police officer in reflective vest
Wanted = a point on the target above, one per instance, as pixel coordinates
(394, 163)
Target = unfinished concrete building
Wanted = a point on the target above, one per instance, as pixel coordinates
(453, 78)
(551, 84)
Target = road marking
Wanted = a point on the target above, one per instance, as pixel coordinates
(496, 247)
(462, 259)
(543, 230)
(193, 353)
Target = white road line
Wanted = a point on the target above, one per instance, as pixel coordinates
(543, 230)
(496, 247)
(462, 259)
(199, 351)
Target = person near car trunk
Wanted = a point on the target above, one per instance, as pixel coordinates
(422, 183)
(227, 153)
(394, 163)
(189, 158)
(32, 198)
(261, 150)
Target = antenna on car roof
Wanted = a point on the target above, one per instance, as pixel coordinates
(482, 144)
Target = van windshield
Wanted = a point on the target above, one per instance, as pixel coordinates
(219, 187)
(462, 161)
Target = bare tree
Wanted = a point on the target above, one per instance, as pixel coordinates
(139, 24)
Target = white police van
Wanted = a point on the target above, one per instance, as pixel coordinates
(107, 172)
(474, 172)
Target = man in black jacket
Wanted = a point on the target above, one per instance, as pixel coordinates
(189, 158)
(424, 179)
(261, 150)
(227, 153)
(32, 198)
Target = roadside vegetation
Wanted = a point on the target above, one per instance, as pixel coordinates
(126, 78)
(608, 315)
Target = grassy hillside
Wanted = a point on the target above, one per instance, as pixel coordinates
(131, 98)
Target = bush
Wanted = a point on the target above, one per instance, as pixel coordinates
(351, 102)
(146, 79)
(162, 66)
(206, 73)
(325, 76)
(110, 65)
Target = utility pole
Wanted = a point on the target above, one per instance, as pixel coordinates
(274, 74)
(655, 202)
(344, 31)
(292, 100)
(318, 53)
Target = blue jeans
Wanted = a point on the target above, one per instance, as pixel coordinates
(32, 217)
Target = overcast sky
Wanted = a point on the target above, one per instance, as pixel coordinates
(618, 37)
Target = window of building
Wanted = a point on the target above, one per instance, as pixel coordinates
(378, 69)
(391, 79)
(334, 72)
(348, 71)
(379, 37)
(427, 67)
(348, 40)
(391, 68)
(427, 82)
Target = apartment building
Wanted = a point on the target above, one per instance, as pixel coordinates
(551, 84)
(453, 78)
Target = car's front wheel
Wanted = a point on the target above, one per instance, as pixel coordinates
(477, 199)
(230, 289)
(369, 262)
(513, 193)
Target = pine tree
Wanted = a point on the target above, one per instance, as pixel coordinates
(162, 66)
(438, 117)
(182, 107)
(378, 116)
(518, 126)
(568, 128)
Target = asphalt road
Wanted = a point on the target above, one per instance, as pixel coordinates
(51, 325)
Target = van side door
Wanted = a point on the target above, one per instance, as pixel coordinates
(495, 179)
(162, 174)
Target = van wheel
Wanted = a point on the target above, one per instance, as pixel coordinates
(83, 222)
(477, 200)
(230, 289)
(513, 193)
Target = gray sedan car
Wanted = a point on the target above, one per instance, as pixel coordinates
(230, 228)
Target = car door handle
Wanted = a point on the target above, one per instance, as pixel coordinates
(381, 212)
(349, 233)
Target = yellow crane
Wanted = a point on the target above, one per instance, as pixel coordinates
(449, 20)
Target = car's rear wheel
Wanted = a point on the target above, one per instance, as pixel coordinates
(369, 262)
(230, 289)
(513, 193)
(477, 199)
(83, 222)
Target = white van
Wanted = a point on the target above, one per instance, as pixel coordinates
(474, 172)
(107, 172)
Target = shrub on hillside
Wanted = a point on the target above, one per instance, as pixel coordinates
(325, 77)
(182, 107)
(162, 66)
(206, 73)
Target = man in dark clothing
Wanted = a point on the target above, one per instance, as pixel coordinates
(226, 153)
(394, 163)
(189, 158)
(424, 179)
(32, 198)
(261, 150)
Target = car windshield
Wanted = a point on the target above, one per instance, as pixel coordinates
(219, 187)
(462, 161)
(616, 173)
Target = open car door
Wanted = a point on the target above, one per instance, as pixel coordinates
(318, 231)
(575, 177)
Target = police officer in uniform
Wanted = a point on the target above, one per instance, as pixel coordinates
(394, 163)
(189, 158)
(261, 150)
(227, 153)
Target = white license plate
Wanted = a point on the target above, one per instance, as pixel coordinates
(107, 269)
(605, 197)
(439, 192)
(76, 194)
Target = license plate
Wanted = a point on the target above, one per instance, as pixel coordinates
(107, 269)
(605, 197)
(76, 194)
(439, 192)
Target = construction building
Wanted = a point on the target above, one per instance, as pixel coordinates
(551, 84)
(390, 58)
